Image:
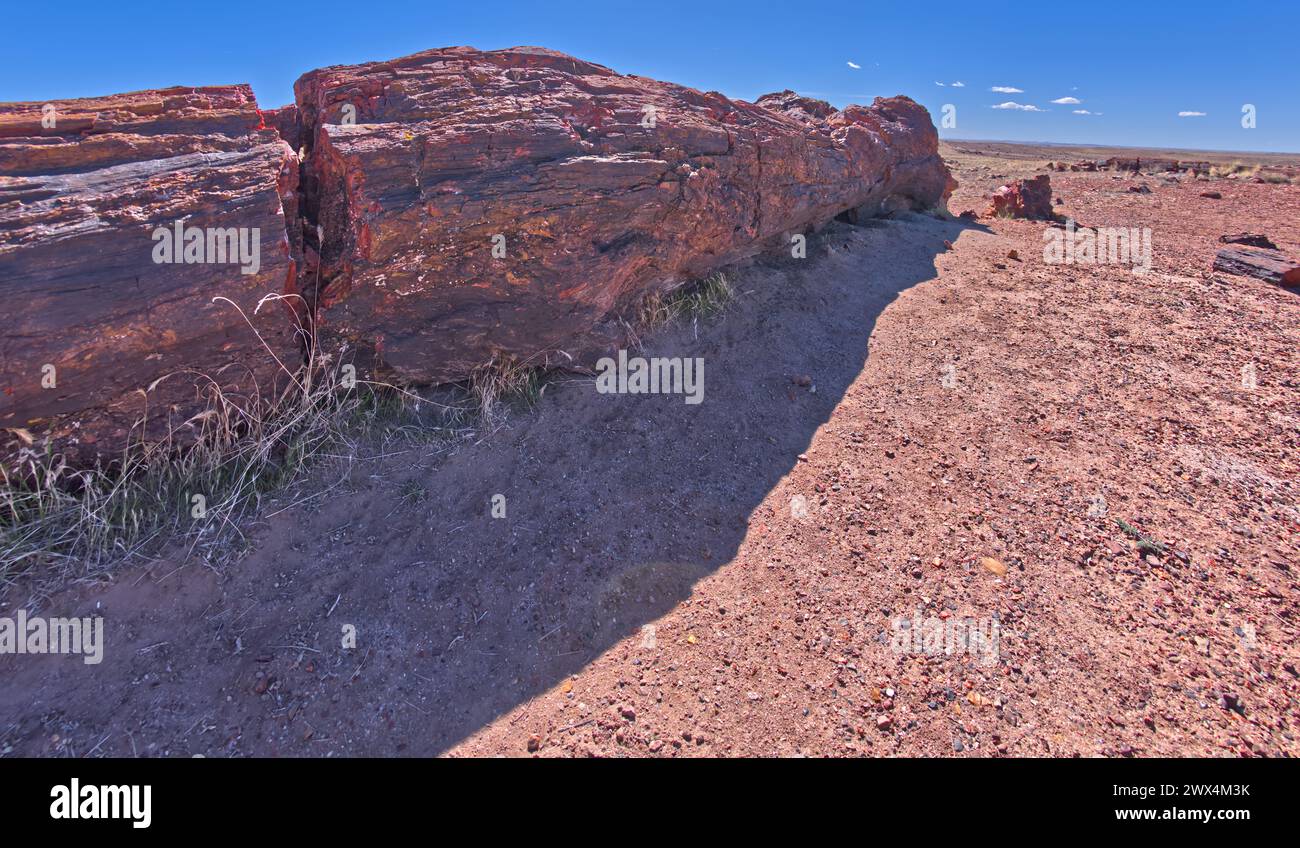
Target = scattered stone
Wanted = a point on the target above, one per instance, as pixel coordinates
(994, 566)
(1230, 701)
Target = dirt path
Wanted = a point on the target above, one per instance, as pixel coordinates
(655, 588)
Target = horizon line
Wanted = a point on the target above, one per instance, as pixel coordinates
(1125, 146)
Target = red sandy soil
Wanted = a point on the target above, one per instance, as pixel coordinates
(1077, 395)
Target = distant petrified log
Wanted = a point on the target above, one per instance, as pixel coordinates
(518, 202)
(99, 302)
(1030, 198)
(1120, 163)
(1076, 166)
(1262, 264)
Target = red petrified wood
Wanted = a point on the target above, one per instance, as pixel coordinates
(1261, 263)
(451, 207)
(1024, 199)
(594, 189)
(98, 305)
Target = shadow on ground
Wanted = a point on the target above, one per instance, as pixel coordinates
(615, 506)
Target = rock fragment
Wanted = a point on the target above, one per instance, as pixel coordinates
(1029, 198)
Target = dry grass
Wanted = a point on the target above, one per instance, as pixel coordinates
(1244, 170)
(505, 382)
(60, 523)
(68, 523)
(703, 299)
(1238, 168)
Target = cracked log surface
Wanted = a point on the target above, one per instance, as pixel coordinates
(604, 187)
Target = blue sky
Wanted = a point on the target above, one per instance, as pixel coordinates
(1135, 65)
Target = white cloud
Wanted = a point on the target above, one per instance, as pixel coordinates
(1011, 104)
(855, 66)
(959, 84)
(1085, 112)
(1068, 101)
(1191, 114)
(1006, 89)
(936, 82)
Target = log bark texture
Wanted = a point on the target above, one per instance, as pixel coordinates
(595, 189)
(92, 321)
(1259, 263)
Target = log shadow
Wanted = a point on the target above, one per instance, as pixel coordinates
(618, 504)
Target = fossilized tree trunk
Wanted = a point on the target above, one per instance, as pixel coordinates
(450, 207)
(595, 189)
(92, 320)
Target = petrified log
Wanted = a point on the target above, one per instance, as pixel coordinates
(517, 202)
(1118, 163)
(98, 305)
(1262, 264)
(1030, 198)
(453, 206)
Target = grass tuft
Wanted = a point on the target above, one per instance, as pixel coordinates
(1146, 544)
(503, 383)
(1239, 168)
(413, 492)
(704, 299)
(60, 523)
